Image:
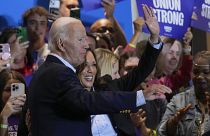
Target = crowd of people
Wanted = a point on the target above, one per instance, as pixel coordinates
(95, 83)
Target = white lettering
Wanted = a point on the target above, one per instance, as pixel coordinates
(168, 4)
(205, 11)
(171, 17)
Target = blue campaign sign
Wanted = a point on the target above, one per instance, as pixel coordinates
(201, 15)
(174, 16)
(94, 4)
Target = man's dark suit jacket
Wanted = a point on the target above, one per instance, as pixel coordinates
(60, 106)
(122, 122)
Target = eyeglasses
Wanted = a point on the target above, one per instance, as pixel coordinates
(105, 30)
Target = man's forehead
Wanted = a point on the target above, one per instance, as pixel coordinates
(169, 47)
(70, 2)
(37, 17)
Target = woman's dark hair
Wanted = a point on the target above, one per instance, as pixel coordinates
(81, 67)
(6, 34)
(5, 76)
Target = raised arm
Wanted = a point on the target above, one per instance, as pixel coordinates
(119, 36)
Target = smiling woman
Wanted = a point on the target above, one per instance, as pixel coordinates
(170, 57)
(87, 72)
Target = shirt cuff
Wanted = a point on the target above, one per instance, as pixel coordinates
(156, 45)
(140, 98)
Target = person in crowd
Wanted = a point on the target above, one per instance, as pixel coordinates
(130, 55)
(21, 59)
(35, 20)
(108, 63)
(10, 107)
(110, 25)
(57, 102)
(175, 62)
(188, 112)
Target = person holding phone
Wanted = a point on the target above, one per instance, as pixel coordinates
(12, 98)
(21, 59)
(63, 9)
(35, 21)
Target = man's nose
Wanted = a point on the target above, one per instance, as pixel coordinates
(86, 44)
(37, 27)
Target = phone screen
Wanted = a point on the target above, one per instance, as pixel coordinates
(17, 89)
(5, 52)
(54, 5)
(75, 13)
(22, 31)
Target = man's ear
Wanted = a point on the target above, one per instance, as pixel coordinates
(60, 45)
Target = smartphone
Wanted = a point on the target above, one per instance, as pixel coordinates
(22, 31)
(75, 12)
(5, 52)
(54, 5)
(17, 89)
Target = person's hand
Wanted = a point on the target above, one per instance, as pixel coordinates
(155, 91)
(138, 119)
(138, 24)
(109, 6)
(174, 120)
(54, 15)
(152, 23)
(13, 105)
(179, 114)
(118, 51)
(18, 53)
(187, 37)
(18, 48)
(208, 101)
